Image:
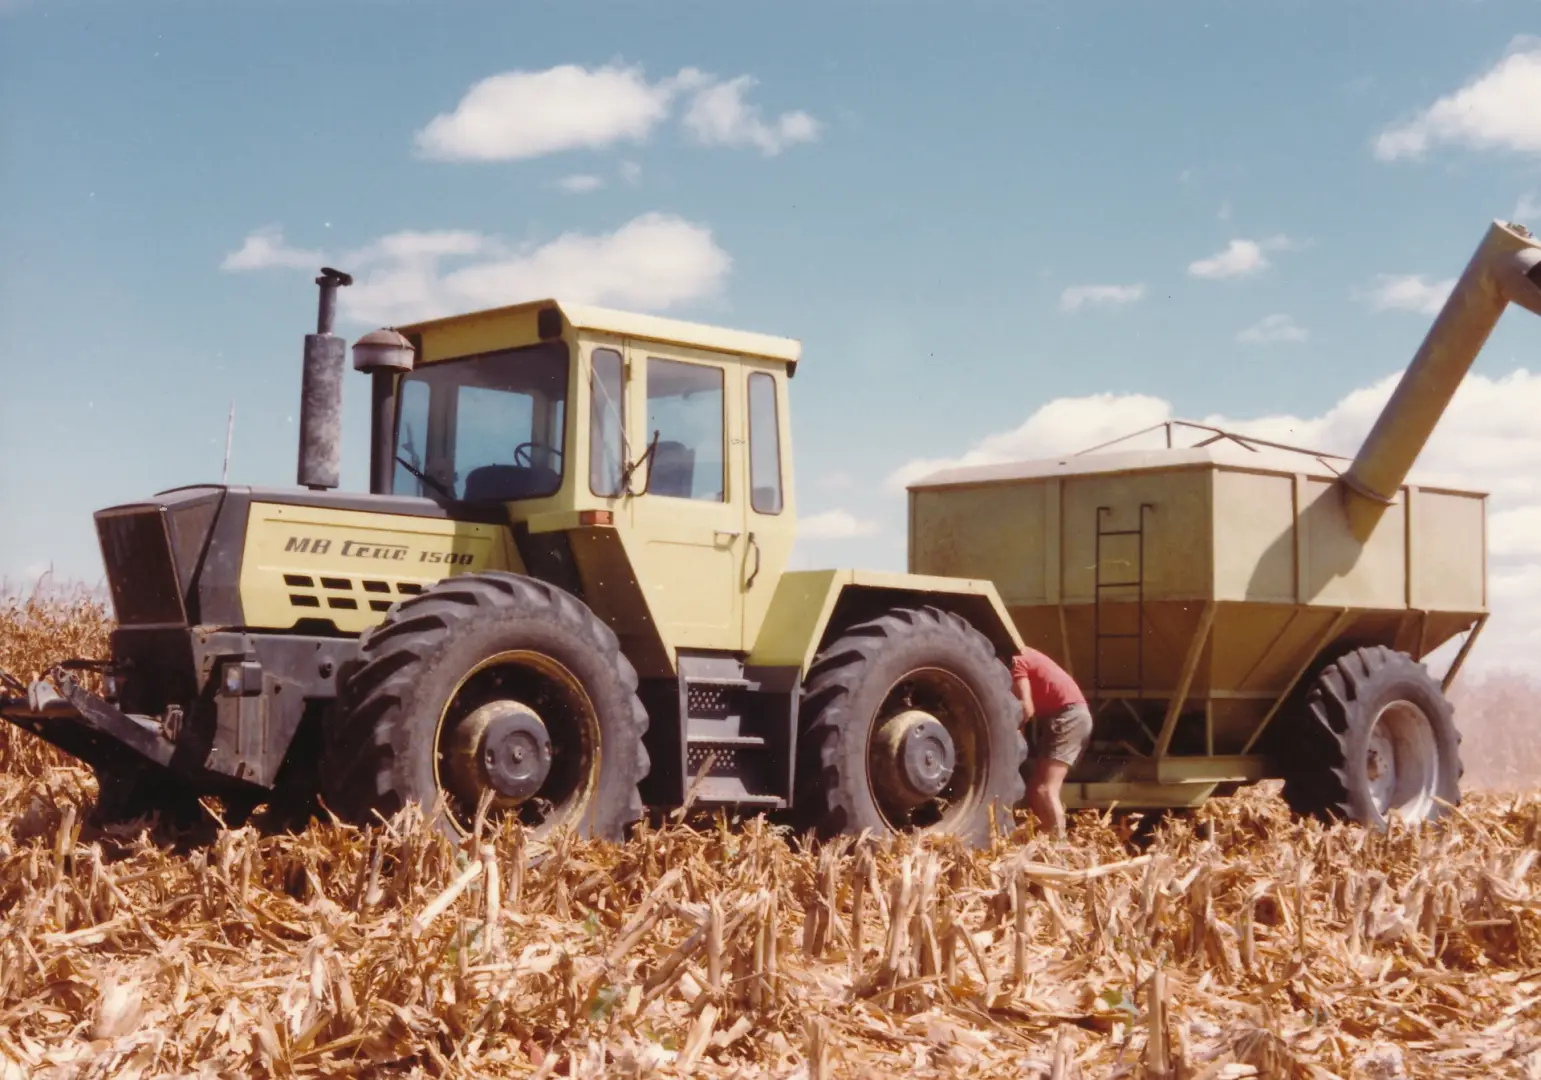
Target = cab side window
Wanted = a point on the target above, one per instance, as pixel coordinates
(412, 436)
(608, 421)
(685, 408)
(764, 445)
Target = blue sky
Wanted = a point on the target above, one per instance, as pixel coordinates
(1258, 206)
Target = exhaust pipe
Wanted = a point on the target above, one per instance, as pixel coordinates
(321, 392)
(1505, 269)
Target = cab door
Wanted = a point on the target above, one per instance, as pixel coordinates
(688, 519)
(770, 527)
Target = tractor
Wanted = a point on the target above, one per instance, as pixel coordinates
(564, 598)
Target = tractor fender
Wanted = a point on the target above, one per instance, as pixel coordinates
(811, 607)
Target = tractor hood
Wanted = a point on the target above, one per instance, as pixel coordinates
(153, 551)
(174, 559)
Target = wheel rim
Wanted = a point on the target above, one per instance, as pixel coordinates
(927, 716)
(1402, 762)
(494, 718)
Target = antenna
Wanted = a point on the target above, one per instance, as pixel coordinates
(224, 476)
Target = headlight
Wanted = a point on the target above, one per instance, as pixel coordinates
(242, 677)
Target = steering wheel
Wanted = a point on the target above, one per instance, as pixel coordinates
(524, 451)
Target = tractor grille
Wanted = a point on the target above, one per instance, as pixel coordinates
(136, 548)
(337, 592)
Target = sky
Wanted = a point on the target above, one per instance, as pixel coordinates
(999, 230)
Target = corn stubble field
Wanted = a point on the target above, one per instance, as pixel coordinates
(1239, 943)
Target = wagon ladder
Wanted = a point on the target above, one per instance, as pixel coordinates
(1101, 690)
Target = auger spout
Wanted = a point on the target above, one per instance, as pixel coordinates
(1505, 269)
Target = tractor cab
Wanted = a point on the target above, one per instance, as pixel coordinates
(662, 441)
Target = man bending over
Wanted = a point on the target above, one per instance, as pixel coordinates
(1047, 691)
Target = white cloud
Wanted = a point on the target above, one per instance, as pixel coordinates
(1407, 292)
(1489, 439)
(581, 183)
(525, 114)
(1073, 423)
(1240, 258)
(1528, 210)
(1516, 532)
(835, 525)
(719, 116)
(837, 481)
(412, 246)
(651, 263)
(1076, 296)
(1272, 328)
(1495, 111)
(631, 172)
(265, 249)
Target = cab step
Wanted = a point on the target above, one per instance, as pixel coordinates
(742, 719)
(730, 791)
(739, 741)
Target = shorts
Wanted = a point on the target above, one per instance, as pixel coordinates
(1064, 736)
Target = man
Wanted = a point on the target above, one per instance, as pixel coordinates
(1048, 692)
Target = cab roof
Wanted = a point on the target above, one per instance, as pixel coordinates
(636, 325)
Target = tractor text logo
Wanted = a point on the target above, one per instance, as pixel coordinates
(353, 549)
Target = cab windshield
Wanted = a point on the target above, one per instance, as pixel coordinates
(486, 428)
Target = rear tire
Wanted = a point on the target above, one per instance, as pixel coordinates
(1377, 735)
(909, 659)
(439, 660)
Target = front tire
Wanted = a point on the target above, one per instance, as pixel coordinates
(1378, 736)
(917, 682)
(491, 682)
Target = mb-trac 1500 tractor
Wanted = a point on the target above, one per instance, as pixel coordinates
(565, 597)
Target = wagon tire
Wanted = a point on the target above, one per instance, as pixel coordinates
(1376, 736)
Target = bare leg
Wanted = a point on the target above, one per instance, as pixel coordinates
(1043, 794)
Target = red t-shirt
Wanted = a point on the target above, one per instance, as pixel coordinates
(1053, 688)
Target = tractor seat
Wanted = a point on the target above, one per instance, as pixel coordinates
(673, 471)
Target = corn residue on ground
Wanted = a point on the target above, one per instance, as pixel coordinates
(1238, 943)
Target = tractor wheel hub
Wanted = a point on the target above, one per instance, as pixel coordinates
(916, 757)
(504, 746)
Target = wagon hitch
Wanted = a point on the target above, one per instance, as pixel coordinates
(65, 714)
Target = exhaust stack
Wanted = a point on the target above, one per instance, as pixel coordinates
(321, 392)
(1505, 269)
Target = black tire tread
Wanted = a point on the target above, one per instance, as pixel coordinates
(825, 795)
(361, 775)
(1317, 782)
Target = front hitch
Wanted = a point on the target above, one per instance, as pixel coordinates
(68, 716)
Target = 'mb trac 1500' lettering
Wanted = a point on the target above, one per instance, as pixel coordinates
(353, 549)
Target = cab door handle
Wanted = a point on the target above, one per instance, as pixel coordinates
(756, 571)
(731, 534)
